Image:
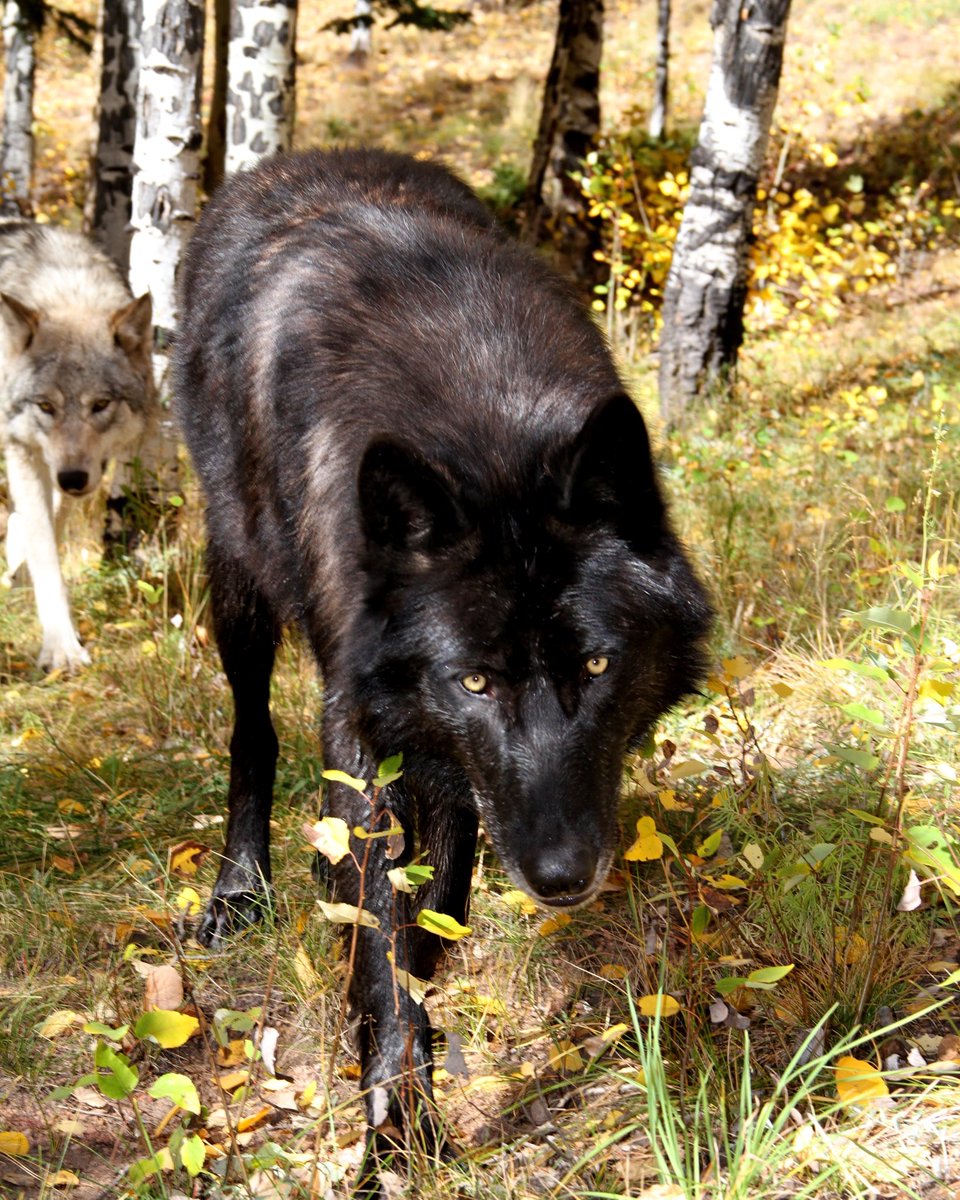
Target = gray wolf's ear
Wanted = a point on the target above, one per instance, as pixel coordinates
(22, 322)
(132, 327)
(609, 477)
(405, 502)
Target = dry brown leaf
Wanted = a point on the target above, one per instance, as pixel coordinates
(163, 989)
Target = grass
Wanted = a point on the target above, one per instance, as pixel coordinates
(808, 497)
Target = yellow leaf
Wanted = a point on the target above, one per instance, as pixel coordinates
(648, 846)
(658, 1004)
(553, 924)
(188, 901)
(253, 1121)
(305, 1098)
(59, 1022)
(330, 836)
(859, 1082)
(13, 1143)
(61, 1179)
(520, 901)
(736, 668)
(783, 690)
(565, 1057)
(613, 971)
(668, 799)
(168, 1029)
(233, 1079)
(304, 970)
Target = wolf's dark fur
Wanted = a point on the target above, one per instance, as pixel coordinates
(414, 443)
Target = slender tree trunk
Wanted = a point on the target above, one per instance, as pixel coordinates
(707, 284)
(569, 124)
(661, 79)
(166, 155)
(112, 174)
(260, 94)
(361, 36)
(214, 160)
(16, 152)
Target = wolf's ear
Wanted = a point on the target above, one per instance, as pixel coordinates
(22, 322)
(609, 477)
(406, 504)
(132, 326)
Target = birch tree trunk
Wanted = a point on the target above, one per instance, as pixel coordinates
(661, 79)
(166, 155)
(260, 72)
(16, 152)
(361, 36)
(117, 125)
(707, 284)
(569, 124)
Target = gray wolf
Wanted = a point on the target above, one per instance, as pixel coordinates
(414, 444)
(76, 391)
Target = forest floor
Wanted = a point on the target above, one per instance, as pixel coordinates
(817, 771)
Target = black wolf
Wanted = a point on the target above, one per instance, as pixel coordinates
(413, 442)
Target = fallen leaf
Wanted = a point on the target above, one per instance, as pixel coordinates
(13, 1143)
(658, 1005)
(163, 988)
(254, 1120)
(58, 1022)
(858, 1082)
(268, 1048)
(186, 857)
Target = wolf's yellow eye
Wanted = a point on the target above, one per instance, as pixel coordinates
(596, 665)
(46, 407)
(475, 683)
(99, 406)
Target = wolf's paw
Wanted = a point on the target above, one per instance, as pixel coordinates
(230, 911)
(60, 652)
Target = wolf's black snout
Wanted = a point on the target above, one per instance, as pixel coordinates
(559, 873)
(74, 482)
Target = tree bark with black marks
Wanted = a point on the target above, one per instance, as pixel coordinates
(166, 154)
(707, 285)
(112, 173)
(260, 74)
(569, 125)
(21, 22)
(661, 80)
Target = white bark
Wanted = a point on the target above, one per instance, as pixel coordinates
(166, 154)
(361, 36)
(260, 71)
(16, 154)
(117, 124)
(706, 287)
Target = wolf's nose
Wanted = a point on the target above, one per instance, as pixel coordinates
(74, 482)
(557, 873)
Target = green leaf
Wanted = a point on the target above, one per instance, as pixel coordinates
(867, 670)
(144, 1168)
(166, 1027)
(859, 712)
(700, 920)
(885, 617)
(192, 1155)
(121, 1078)
(179, 1089)
(351, 781)
(440, 923)
(871, 818)
(388, 771)
(709, 846)
(857, 758)
(107, 1031)
(819, 853)
(728, 985)
(767, 976)
(894, 504)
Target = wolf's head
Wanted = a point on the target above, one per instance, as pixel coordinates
(521, 643)
(76, 387)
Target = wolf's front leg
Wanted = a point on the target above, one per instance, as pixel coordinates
(32, 538)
